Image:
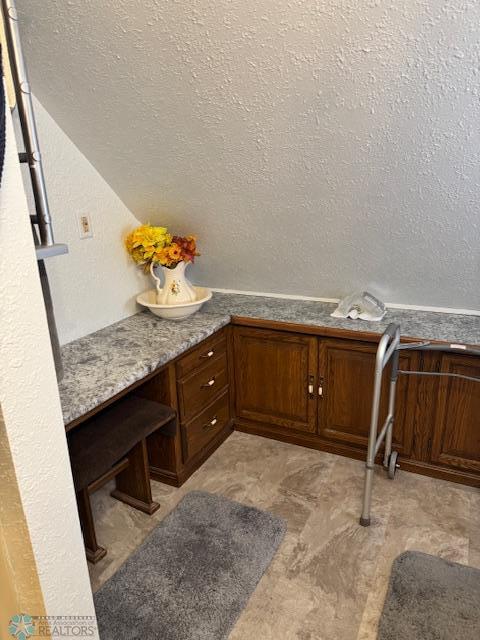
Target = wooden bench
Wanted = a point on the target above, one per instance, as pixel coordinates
(113, 444)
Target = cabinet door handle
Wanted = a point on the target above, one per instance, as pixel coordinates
(310, 386)
(320, 388)
(210, 383)
(212, 423)
(209, 354)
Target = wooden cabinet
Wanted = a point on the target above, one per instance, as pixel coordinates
(312, 386)
(197, 385)
(203, 396)
(315, 391)
(275, 378)
(437, 420)
(346, 373)
(456, 429)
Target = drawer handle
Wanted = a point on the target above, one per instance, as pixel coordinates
(210, 383)
(210, 424)
(209, 354)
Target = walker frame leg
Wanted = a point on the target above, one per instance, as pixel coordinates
(369, 465)
(367, 498)
(387, 349)
(391, 409)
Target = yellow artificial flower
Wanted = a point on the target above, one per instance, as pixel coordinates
(161, 256)
(144, 241)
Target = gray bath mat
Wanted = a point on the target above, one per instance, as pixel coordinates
(193, 575)
(431, 599)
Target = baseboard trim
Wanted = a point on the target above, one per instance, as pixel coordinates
(162, 475)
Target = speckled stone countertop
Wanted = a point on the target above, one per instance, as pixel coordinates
(428, 325)
(102, 364)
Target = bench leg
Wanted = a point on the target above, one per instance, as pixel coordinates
(92, 549)
(133, 485)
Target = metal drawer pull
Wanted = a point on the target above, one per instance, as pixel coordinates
(210, 383)
(208, 355)
(210, 424)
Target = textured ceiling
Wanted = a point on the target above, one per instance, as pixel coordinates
(315, 146)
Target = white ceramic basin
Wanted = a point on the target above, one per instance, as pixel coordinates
(174, 311)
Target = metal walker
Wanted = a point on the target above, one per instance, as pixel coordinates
(388, 351)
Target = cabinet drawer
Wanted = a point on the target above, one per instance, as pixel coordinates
(208, 350)
(200, 431)
(199, 389)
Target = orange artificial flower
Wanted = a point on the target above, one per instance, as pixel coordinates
(175, 252)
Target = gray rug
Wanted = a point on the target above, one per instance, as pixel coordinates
(193, 575)
(431, 599)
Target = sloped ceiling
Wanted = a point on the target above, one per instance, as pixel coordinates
(314, 146)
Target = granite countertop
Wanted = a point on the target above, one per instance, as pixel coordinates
(100, 365)
(104, 363)
(429, 325)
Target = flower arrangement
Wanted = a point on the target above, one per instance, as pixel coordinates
(154, 245)
(166, 257)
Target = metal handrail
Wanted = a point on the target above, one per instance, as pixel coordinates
(29, 132)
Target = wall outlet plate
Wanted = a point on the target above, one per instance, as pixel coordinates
(85, 226)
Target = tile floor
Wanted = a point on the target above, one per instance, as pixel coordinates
(329, 577)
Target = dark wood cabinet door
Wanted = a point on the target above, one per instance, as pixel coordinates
(273, 371)
(346, 373)
(456, 434)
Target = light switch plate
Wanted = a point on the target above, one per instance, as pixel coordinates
(85, 226)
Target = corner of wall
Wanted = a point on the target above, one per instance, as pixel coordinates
(95, 284)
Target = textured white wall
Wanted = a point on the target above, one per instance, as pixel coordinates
(95, 284)
(31, 409)
(315, 146)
